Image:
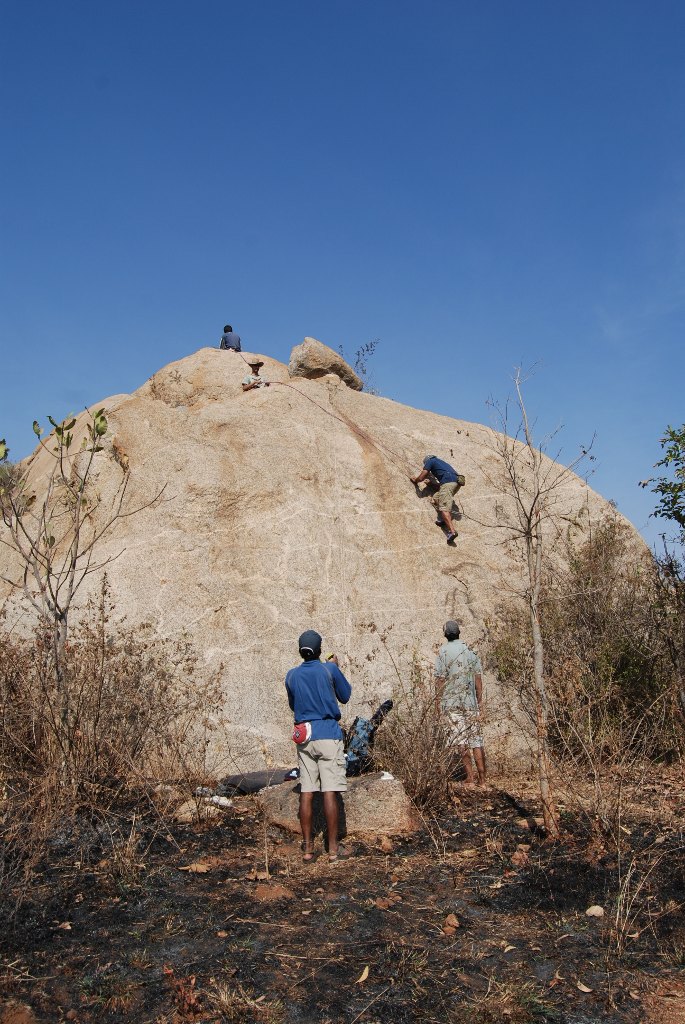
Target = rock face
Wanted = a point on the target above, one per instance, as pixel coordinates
(313, 359)
(287, 508)
(372, 806)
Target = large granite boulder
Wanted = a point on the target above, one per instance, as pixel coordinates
(374, 805)
(287, 508)
(313, 359)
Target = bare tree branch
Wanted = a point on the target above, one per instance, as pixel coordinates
(532, 509)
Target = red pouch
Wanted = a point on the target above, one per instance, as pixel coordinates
(302, 732)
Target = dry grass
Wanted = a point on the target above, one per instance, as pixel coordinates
(415, 744)
(236, 1005)
(612, 627)
(80, 756)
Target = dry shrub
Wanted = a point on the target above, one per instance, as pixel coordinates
(613, 625)
(414, 743)
(80, 755)
(611, 636)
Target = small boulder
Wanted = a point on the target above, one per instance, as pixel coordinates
(313, 359)
(372, 806)
(196, 810)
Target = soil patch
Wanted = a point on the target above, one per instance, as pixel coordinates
(475, 917)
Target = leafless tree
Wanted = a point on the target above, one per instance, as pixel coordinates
(55, 536)
(533, 514)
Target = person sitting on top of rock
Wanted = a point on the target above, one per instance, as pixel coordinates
(253, 380)
(229, 339)
(448, 480)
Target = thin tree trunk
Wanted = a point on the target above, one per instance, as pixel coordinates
(549, 810)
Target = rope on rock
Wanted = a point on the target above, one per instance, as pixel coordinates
(378, 445)
(400, 461)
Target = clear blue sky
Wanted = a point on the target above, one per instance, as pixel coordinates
(475, 184)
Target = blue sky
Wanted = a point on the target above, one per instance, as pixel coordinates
(476, 185)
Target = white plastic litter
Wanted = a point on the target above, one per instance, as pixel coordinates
(387, 777)
(221, 801)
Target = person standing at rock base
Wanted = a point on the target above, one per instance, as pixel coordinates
(448, 480)
(230, 341)
(314, 690)
(458, 696)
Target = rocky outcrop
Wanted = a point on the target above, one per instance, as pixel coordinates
(313, 359)
(374, 805)
(286, 508)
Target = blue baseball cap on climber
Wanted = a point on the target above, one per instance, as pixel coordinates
(309, 643)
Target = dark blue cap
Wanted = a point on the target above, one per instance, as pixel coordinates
(310, 641)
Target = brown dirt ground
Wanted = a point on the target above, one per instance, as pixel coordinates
(476, 918)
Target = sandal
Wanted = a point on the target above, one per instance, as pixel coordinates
(340, 854)
(308, 855)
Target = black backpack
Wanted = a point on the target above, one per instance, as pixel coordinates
(359, 740)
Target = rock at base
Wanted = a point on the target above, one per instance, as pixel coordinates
(314, 359)
(372, 806)
(196, 810)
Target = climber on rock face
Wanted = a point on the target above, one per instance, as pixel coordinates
(449, 483)
(253, 379)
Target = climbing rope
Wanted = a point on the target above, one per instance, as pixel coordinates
(378, 445)
(400, 461)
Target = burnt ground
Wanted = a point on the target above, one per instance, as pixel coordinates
(477, 918)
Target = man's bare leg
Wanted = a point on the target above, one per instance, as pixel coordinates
(330, 810)
(306, 815)
(468, 765)
(447, 520)
(479, 758)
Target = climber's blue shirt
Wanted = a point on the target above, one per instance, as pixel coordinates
(442, 471)
(314, 690)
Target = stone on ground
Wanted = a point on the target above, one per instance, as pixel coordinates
(373, 806)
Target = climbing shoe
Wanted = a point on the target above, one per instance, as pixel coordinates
(451, 536)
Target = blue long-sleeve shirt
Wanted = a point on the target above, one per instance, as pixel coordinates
(314, 690)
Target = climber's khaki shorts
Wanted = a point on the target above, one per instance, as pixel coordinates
(445, 497)
(322, 766)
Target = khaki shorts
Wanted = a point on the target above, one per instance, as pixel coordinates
(465, 728)
(322, 766)
(445, 497)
